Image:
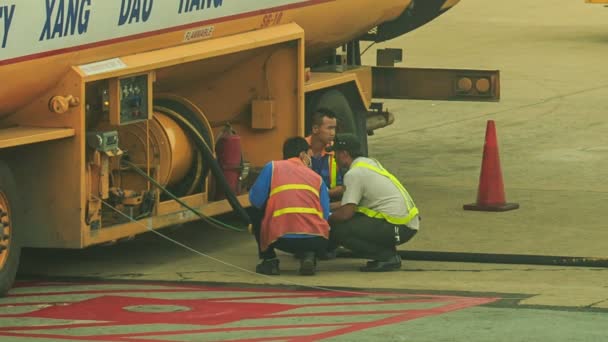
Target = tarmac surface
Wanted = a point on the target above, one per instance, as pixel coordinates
(553, 146)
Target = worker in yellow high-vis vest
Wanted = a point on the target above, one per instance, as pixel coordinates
(376, 213)
(323, 130)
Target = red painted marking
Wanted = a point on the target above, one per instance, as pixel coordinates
(112, 308)
(161, 31)
(54, 337)
(4, 330)
(17, 295)
(108, 310)
(413, 314)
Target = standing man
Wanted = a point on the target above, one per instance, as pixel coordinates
(290, 210)
(377, 212)
(323, 132)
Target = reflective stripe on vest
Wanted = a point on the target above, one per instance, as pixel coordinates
(333, 171)
(294, 187)
(409, 203)
(297, 211)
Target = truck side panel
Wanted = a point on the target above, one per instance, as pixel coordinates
(327, 23)
(221, 76)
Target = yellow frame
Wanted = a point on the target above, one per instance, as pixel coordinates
(170, 213)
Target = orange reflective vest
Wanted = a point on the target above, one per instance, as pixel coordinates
(293, 205)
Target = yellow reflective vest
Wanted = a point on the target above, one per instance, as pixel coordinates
(409, 202)
(332, 166)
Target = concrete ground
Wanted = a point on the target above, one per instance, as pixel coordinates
(550, 124)
(553, 147)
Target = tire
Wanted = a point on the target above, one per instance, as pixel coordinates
(336, 101)
(9, 218)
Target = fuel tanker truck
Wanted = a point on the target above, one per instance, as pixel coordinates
(122, 116)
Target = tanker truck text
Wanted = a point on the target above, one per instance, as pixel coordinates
(63, 17)
(186, 6)
(6, 18)
(134, 10)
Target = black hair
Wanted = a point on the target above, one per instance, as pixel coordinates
(350, 143)
(292, 147)
(355, 154)
(319, 114)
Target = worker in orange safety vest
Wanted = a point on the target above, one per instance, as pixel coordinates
(290, 210)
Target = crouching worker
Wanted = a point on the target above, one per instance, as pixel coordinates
(290, 210)
(377, 212)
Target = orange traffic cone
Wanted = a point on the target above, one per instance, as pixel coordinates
(491, 192)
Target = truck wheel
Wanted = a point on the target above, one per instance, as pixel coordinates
(338, 102)
(335, 101)
(10, 249)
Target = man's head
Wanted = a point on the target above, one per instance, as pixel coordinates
(296, 147)
(347, 147)
(324, 124)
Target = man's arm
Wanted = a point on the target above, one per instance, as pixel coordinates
(324, 198)
(336, 192)
(334, 205)
(352, 196)
(343, 213)
(258, 194)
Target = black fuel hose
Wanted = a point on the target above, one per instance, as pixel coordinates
(208, 219)
(210, 159)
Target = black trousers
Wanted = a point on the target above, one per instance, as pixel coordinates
(297, 246)
(369, 237)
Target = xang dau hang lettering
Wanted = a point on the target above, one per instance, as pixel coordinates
(186, 6)
(6, 18)
(70, 17)
(66, 18)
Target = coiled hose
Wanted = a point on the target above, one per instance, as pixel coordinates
(194, 128)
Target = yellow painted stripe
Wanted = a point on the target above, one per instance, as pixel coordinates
(294, 187)
(296, 210)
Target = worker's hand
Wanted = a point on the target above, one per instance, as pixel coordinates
(250, 228)
(336, 192)
(345, 212)
(334, 205)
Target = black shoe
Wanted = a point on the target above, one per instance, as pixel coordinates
(268, 267)
(373, 263)
(329, 255)
(339, 251)
(308, 264)
(391, 264)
